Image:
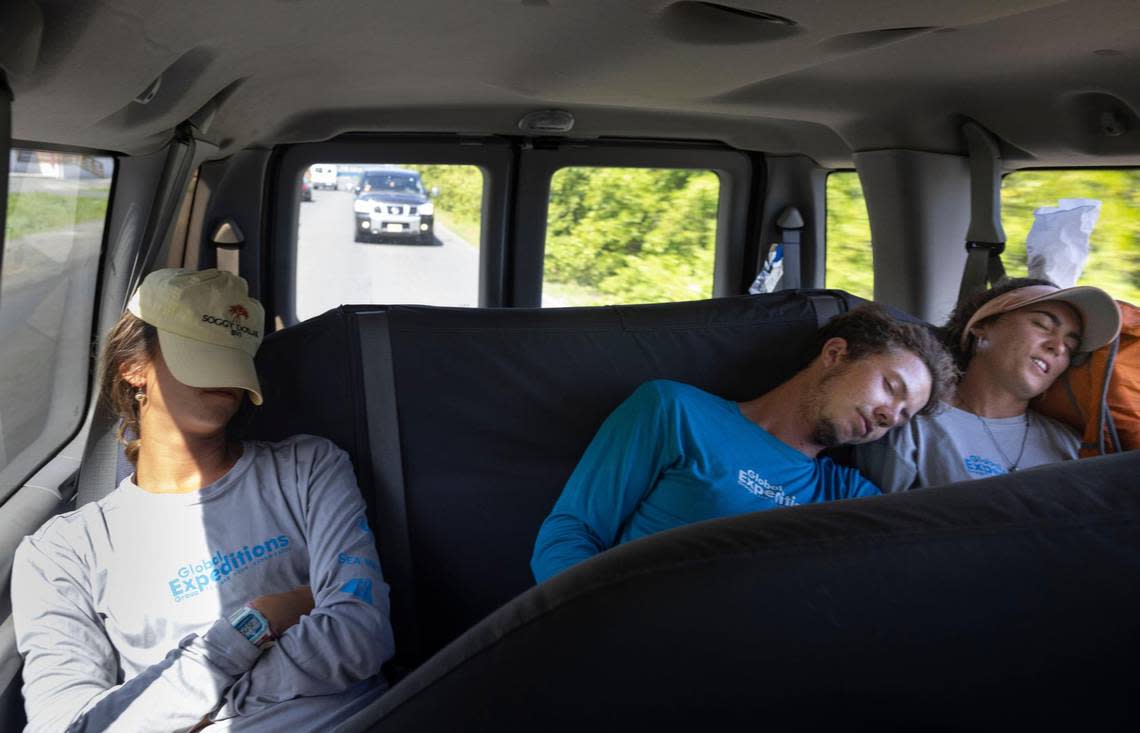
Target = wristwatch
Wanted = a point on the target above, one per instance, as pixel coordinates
(252, 624)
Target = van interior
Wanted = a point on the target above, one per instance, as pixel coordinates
(551, 202)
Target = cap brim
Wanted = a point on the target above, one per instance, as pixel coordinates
(209, 366)
(1100, 315)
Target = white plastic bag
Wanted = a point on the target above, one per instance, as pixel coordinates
(771, 274)
(1058, 244)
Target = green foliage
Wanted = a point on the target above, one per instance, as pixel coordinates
(1114, 247)
(631, 235)
(460, 200)
(848, 240)
(614, 235)
(39, 211)
(1114, 258)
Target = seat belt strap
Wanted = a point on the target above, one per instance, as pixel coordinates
(826, 307)
(789, 226)
(1105, 423)
(985, 239)
(378, 382)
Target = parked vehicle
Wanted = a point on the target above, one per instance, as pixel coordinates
(323, 176)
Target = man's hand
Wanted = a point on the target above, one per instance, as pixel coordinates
(284, 609)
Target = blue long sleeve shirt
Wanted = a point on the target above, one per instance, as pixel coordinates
(672, 454)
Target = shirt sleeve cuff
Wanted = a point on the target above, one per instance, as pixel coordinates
(232, 652)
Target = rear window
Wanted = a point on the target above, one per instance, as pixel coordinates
(1114, 244)
(630, 235)
(386, 233)
(57, 206)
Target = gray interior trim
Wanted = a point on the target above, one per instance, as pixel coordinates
(798, 181)
(918, 204)
(985, 185)
(852, 77)
(232, 189)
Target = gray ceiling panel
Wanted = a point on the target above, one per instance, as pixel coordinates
(847, 76)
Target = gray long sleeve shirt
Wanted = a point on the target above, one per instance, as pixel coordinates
(121, 607)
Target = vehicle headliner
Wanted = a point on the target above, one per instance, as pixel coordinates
(848, 77)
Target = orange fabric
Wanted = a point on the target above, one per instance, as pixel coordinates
(1087, 382)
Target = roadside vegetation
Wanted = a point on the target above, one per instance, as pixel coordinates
(39, 211)
(1114, 258)
(633, 235)
(615, 235)
(460, 202)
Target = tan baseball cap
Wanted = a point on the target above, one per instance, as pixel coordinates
(208, 326)
(1100, 316)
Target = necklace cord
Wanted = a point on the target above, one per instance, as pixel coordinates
(1011, 466)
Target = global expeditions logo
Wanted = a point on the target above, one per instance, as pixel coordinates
(193, 578)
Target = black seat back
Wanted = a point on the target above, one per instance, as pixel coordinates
(464, 424)
(1006, 604)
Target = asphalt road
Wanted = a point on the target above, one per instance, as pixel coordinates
(335, 270)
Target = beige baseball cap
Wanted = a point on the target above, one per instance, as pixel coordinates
(1100, 316)
(208, 326)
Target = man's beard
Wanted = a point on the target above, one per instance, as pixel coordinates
(825, 434)
(823, 431)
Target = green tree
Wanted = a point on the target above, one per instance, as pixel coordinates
(849, 266)
(1114, 246)
(1114, 259)
(629, 235)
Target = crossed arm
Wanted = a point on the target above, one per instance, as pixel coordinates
(71, 669)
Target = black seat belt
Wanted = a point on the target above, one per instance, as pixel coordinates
(985, 239)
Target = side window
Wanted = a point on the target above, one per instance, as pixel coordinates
(371, 233)
(1114, 244)
(849, 264)
(630, 235)
(57, 206)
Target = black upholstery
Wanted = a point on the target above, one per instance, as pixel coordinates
(464, 424)
(999, 605)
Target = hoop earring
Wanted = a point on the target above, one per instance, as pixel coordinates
(141, 397)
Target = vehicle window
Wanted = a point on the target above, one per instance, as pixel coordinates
(57, 206)
(370, 233)
(630, 235)
(1114, 245)
(849, 264)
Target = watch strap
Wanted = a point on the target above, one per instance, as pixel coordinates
(252, 624)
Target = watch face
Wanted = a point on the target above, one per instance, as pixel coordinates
(249, 626)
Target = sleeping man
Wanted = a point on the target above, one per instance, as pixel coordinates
(672, 454)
